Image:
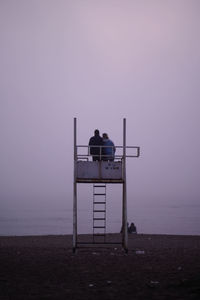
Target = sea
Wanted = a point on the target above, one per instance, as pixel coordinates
(175, 220)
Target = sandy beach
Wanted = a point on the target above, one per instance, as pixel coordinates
(44, 267)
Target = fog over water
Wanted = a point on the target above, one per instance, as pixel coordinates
(99, 61)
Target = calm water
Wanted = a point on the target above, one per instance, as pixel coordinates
(151, 220)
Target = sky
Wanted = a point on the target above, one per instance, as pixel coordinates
(99, 61)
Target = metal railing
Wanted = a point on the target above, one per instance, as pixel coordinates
(115, 154)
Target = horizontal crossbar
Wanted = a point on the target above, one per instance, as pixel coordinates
(99, 234)
(99, 243)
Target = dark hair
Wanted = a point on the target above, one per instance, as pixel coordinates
(96, 132)
(105, 136)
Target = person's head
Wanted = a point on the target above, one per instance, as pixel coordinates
(105, 136)
(96, 132)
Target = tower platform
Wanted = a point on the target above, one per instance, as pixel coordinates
(99, 171)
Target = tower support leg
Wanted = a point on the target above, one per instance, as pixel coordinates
(124, 200)
(75, 194)
(75, 218)
(124, 220)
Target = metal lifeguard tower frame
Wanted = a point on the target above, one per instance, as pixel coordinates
(99, 173)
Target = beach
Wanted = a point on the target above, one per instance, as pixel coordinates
(45, 267)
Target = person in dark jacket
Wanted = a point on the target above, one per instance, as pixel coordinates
(96, 140)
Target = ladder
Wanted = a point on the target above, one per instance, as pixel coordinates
(99, 213)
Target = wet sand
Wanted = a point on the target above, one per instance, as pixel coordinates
(44, 267)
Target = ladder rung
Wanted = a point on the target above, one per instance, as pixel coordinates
(99, 194)
(99, 210)
(98, 226)
(98, 219)
(99, 202)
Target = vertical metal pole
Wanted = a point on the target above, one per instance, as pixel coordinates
(75, 193)
(124, 208)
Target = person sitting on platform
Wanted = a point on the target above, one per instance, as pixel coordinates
(132, 228)
(108, 152)
(96, 140)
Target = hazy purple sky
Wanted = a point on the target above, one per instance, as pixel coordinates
(99, 61)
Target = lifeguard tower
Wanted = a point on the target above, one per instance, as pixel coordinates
(100, 173)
